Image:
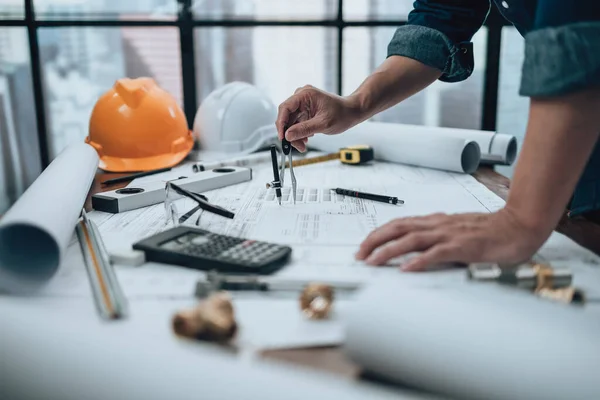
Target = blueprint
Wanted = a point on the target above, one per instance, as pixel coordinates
(323, 229)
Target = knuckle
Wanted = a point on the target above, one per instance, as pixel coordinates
(439, 215)
(447, 250)
(283, 107)
(447, 233)
(385, 252)
(303, 89)
(417, 239)
(303, 130)
(367, 242)
(399, 222)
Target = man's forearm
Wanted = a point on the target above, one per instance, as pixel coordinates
(561, 134)
(396, 79)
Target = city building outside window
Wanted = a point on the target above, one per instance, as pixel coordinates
(84, 46)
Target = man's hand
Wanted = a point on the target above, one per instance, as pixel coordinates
(461, 238)
(310, 111)
(561, 133)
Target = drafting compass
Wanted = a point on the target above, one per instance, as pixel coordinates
(286, 150)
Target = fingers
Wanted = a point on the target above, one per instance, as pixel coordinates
(414, 241)
(286, 108)
(305, 129)
(300, 145)
(394, 230)
(437, 254)
(291, 106)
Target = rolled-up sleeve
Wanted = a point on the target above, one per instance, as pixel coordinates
(562, 51)
(439, 34)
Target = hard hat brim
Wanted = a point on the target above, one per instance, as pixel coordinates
(117, 164)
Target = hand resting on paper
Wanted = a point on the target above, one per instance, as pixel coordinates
(561, 134)
(441, 238)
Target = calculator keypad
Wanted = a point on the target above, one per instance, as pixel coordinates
(231, 249)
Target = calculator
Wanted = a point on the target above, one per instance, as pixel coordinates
(203, 250)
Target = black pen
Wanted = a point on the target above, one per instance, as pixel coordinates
(133, 176)
(369, 196)
(202, 202)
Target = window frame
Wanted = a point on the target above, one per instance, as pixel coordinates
(186, 23)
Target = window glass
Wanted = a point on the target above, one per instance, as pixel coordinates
(19, 146)
(80, 64)
(12, 9)
(390, 10)
(277, 60)
(512, 108)
(265, 9)
(457, 105)
(105, 9)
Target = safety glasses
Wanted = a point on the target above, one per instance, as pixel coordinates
(178, 198)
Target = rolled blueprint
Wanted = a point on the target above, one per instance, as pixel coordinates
(475, 342)
(400, 144)
(36, 230)
(496, 148)
(63, 353)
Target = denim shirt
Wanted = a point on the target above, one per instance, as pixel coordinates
(562, 53)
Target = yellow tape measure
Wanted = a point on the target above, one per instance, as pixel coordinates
(353, 155)
(356, 155)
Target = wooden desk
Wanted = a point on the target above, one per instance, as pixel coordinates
(583, 230)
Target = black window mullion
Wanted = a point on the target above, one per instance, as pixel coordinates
(340, 45)
(36, 75)
(188, 60)
(492, 71)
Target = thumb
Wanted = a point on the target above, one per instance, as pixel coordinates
(305, 129)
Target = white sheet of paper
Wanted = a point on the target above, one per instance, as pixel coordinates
(325, 229)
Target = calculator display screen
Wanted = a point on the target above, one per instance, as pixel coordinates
(181, 241)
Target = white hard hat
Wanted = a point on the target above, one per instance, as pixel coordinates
(236, 118)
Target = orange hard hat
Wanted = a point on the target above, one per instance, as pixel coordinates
(137, 126)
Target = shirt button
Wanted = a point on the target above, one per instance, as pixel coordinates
(504, 4)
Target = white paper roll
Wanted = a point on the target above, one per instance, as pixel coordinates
(503, 147)
(35, 232)
(401, 144)
(475, 342)
(51, 354)
(496, 148)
